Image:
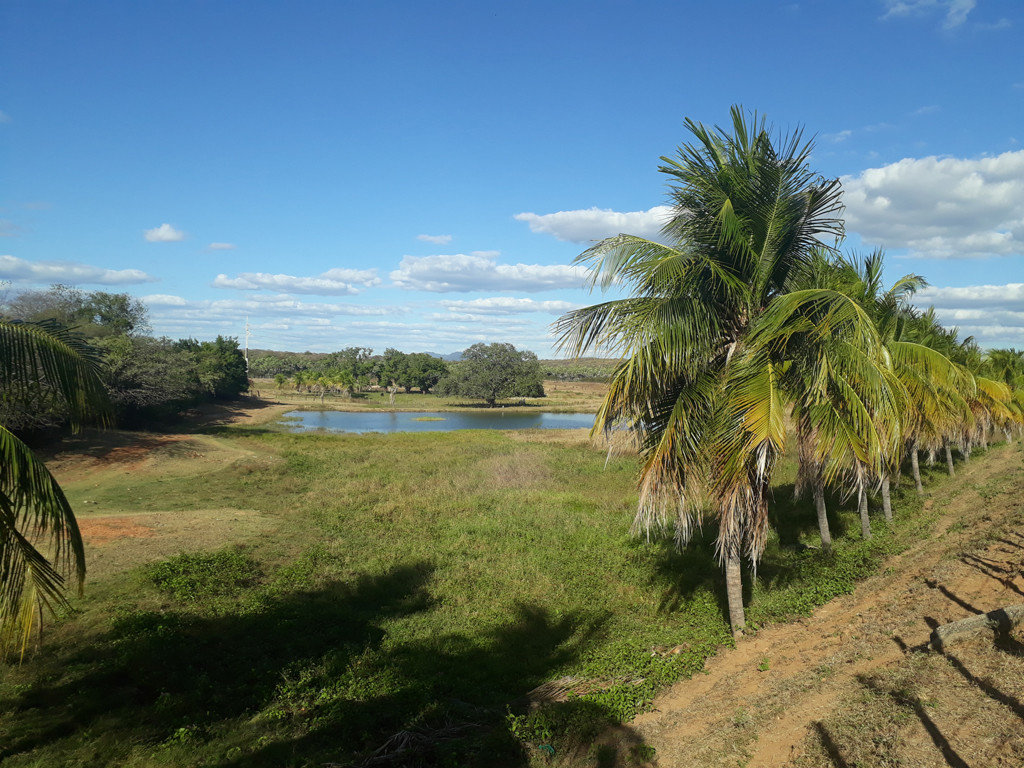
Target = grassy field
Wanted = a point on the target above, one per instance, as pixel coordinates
(561, 396)
(259, 598)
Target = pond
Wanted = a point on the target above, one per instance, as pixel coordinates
(418, 421)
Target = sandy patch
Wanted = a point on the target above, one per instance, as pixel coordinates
(115, 543)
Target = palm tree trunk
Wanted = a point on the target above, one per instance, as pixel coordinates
(865, 522)
(734, 590)
(917, 470)
(819, 504)
(949, 461)
(1009, 436)
(886, 500)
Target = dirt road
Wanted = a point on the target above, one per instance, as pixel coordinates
(850, 685)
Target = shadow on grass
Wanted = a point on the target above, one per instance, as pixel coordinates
(794, 518)
(294, 679)
(829, 745)
(680, 574)
(911, 701)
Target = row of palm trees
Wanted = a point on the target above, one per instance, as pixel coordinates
(744, 321)
(329, 382)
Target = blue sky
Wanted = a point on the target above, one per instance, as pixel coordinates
(420, 175)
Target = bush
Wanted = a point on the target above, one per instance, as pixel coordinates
(192, 577)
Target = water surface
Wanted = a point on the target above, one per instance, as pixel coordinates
(420, 421)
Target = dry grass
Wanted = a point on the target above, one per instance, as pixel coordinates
(561, 396)
(963, 708)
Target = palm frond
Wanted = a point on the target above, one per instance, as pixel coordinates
(34, 514)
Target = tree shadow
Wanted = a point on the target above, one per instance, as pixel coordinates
(116, 445)
(449, 704)
(680, 573)
(794, 518)
(829, 745)
(300, 678)
(910, 701)
(1010, 702)
(932, 584)
(154, 671)
(993, 570)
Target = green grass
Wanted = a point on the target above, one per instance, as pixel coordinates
(416, 583)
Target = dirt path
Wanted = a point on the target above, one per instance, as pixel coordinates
(757, 704)
(118, 536)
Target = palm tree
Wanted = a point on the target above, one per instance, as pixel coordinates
(854, 455)
(40, 544)
(713, 327)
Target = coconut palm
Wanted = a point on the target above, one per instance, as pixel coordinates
(40, 545)
(934, 359)
(890, 309)
(825, 458)
(716, 323)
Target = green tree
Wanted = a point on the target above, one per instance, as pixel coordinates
(491, 372)
(115, 314)
(355, 361)
(716, 322)
(40, 545)
(392, 367)
(59, 303)
(149, 379)
(423, 371)
(97, 314)
(220, 366)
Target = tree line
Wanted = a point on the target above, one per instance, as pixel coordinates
(147, 380)
(745, 322)
(488, 372)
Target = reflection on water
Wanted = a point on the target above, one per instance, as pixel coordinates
(411, 421)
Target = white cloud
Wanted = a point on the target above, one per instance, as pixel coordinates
(4, 117)
(957, 13)
(165, 233)
(334, 282)
(163, 300)
(176, 316)
(18, 270)
(221, 247)
(507, 305)
(598, 223)
(993, 314)
(435, 239)
(275, 305)
(941, 207)
(1009, 296)
(838, 138)
(280, 322)
(283, 322)
(510, 326)
(8, 228)
(995, 26)
(479, 271)
(956, 10)
(364, 277)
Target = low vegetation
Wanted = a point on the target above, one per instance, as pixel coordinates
(412, 591)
